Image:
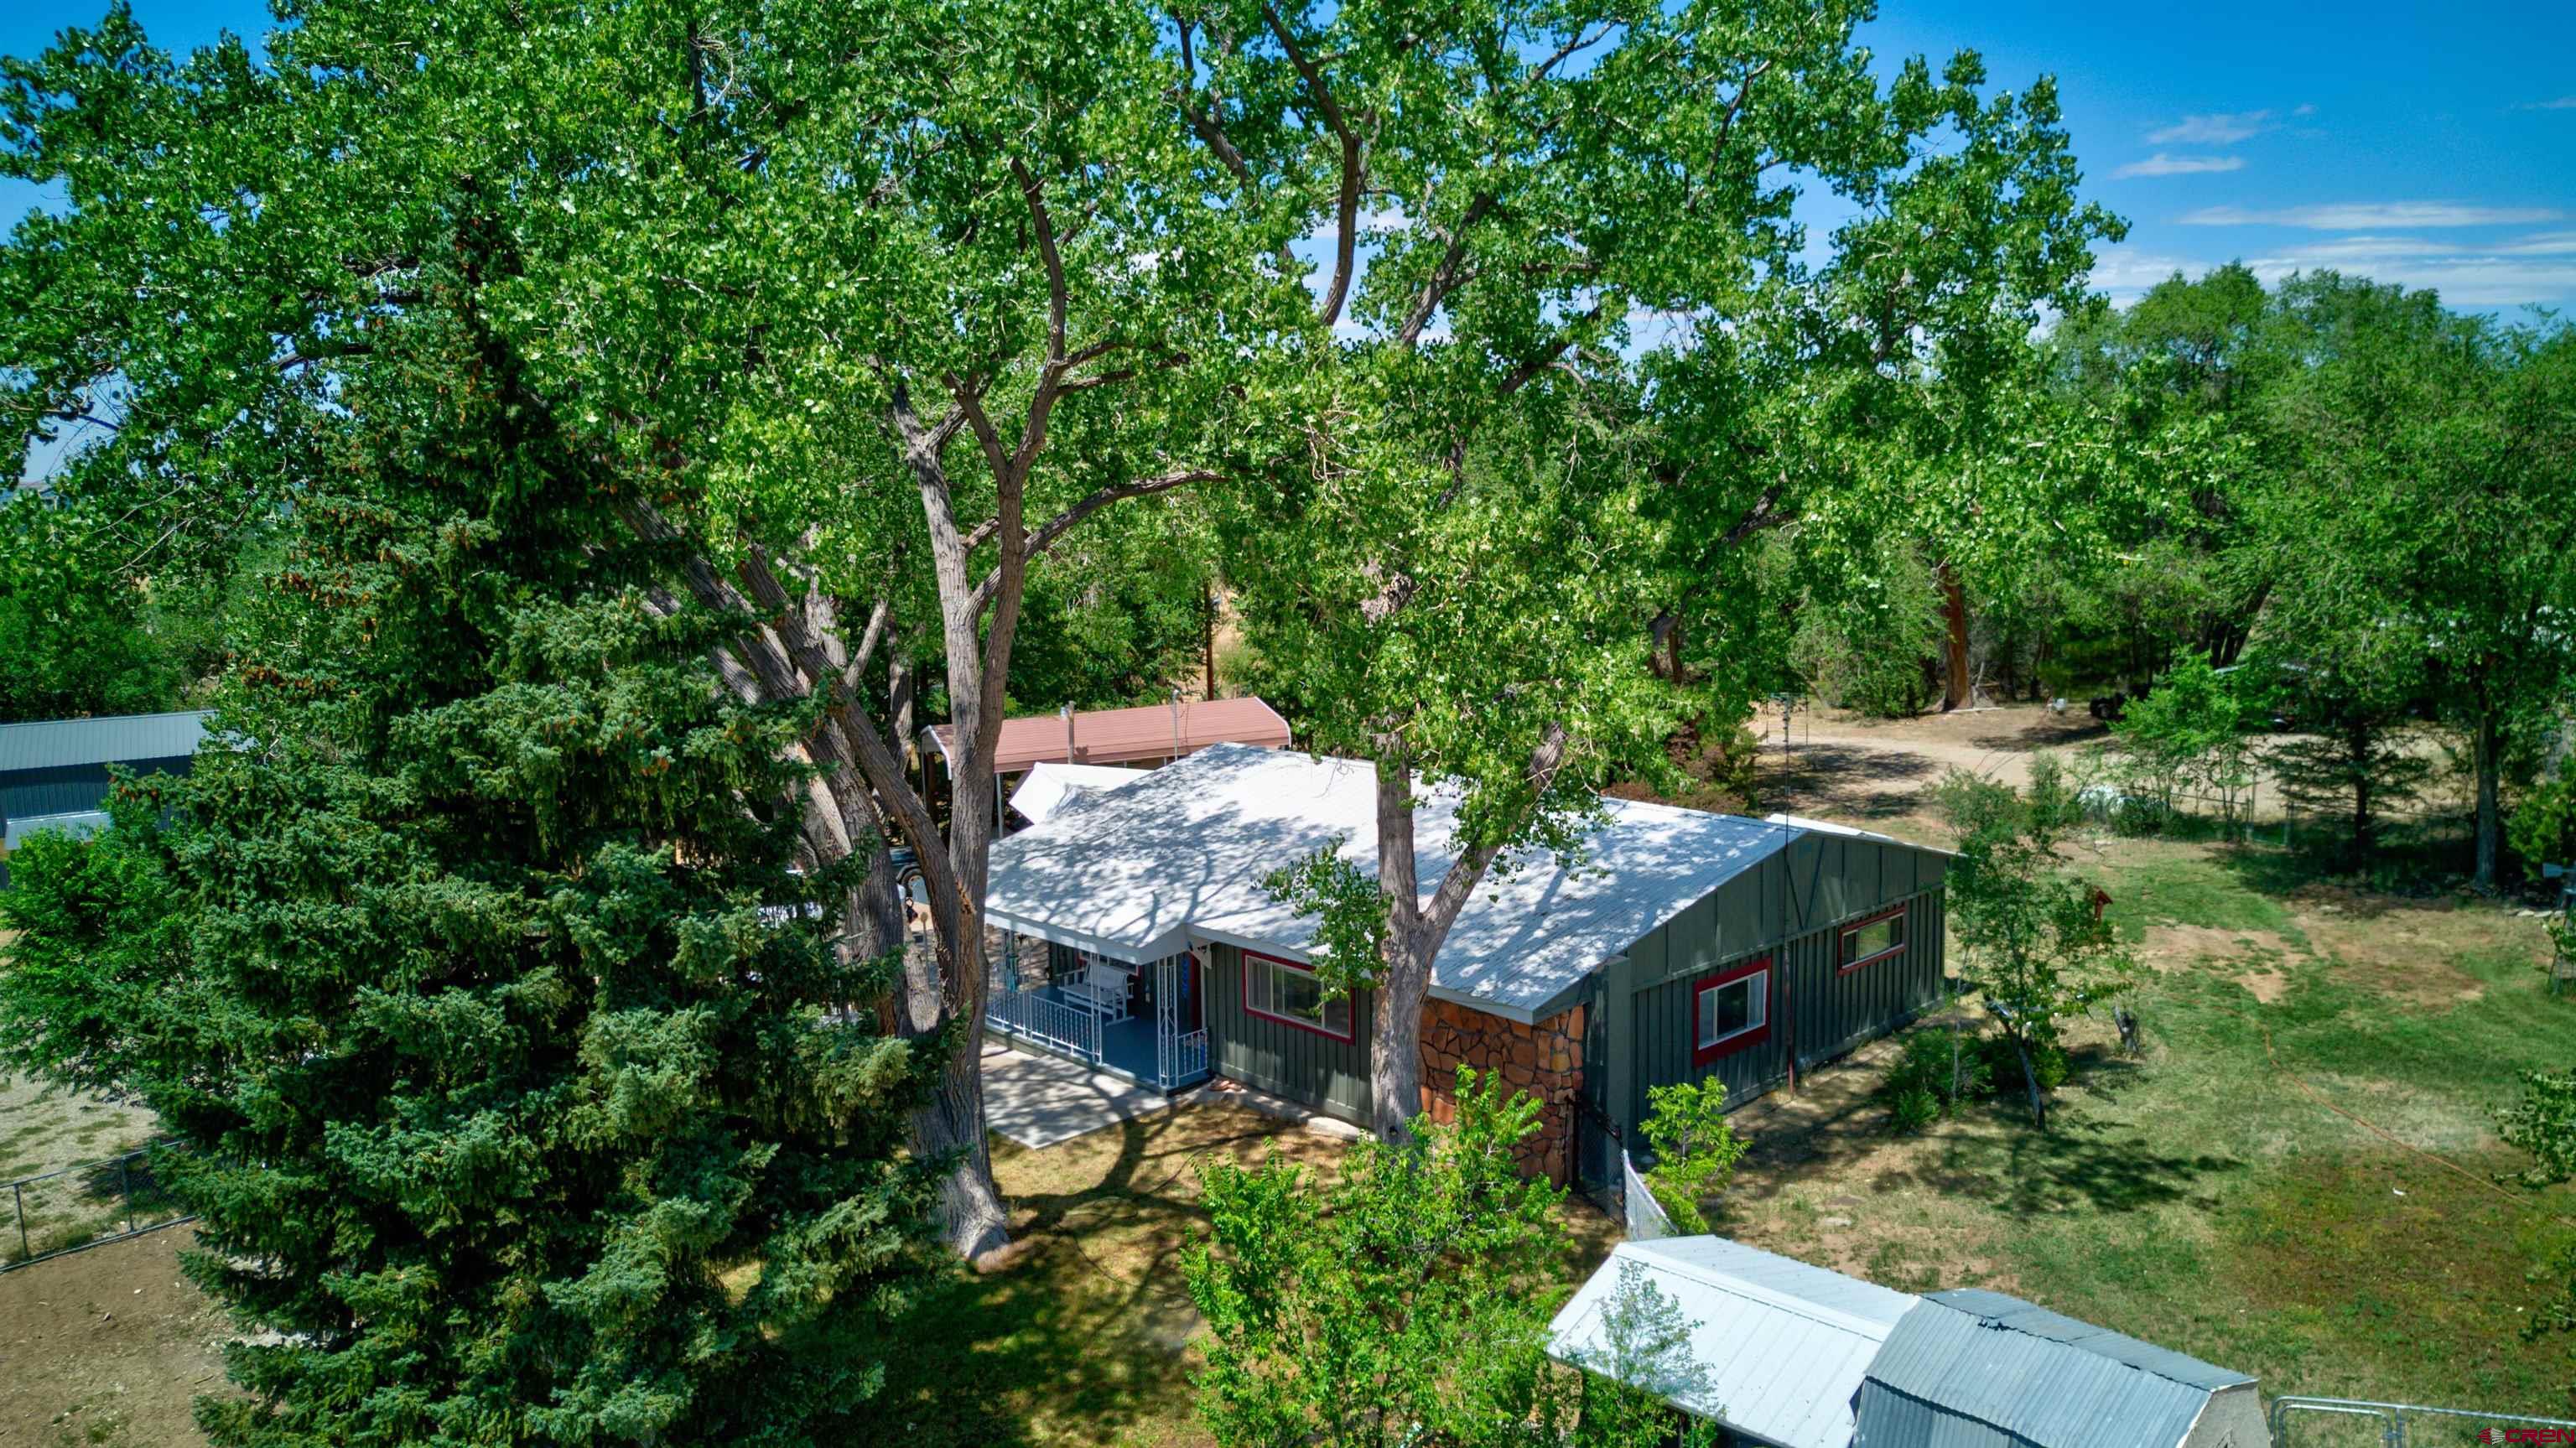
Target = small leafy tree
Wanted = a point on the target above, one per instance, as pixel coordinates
(1407, 1302)
(2035, 940)
(2189, 735)
(1644, 1362)
(2543, 1123)
(2544, 824)
(1935, 1070)
(1695, 1147)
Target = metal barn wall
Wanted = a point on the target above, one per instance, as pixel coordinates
(1302, 1065)
(1791, 908)
(71, 788)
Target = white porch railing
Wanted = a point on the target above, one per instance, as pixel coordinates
(1189, 1059)
(1030, 1013)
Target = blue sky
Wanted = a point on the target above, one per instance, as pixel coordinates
(2428, 144)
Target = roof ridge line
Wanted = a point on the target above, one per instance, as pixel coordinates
(1772, 1297)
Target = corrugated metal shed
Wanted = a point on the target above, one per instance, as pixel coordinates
(1972, 1369)
(1780, 1346)
(118, 739)
(1140, 871)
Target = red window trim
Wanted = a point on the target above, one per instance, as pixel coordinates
(1702, 1055)
(1314, 1027)
(1903, 940)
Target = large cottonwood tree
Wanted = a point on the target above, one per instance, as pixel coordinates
(862, 309)
(1582, 355)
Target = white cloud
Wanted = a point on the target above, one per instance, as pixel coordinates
(2536, 268)
(2221, 129)
(2161, 164)
(2304, 110)
(2125, 275)
(2563, 103)
(2365, 248)
(2541, 243)
(2370, 216)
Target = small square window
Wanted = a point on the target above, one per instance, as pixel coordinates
(1729, 1012)
(1872, 939)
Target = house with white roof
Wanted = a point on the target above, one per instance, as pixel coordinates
(1678, 945)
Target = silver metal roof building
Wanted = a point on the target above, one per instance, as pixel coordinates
(1137, 872)
(116, 739)
(1800, 1357)
(1974, 1369)
(55, 773)
(1781, 1346)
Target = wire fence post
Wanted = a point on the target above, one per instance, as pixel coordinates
(125, 1186)
(18, 1191)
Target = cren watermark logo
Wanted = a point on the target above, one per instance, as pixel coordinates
(2501, 1437)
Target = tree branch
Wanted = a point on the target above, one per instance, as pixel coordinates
(1056, 527)
(1445, 277)
(1354, 173)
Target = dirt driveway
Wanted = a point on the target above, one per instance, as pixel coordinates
(107, 1347)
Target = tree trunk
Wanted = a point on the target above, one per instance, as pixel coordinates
(950, 1125)
(1395, 1041)
(1207, 638)
(2360, 742)
(1404, 969)
(2490, 823)
(1954, 611)
(2030, 1080)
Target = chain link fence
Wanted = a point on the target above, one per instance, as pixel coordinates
(82, 1206)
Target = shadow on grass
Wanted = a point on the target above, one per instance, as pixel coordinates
(1992, 1153)
(2406, 864)
(1082, 1337)
(1872, 783)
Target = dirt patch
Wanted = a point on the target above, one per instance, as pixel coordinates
(107, 1347)
(2266, 985)
(2171, 947)
(2408, 950)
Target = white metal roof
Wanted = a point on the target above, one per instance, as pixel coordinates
(1048, 786)
(1140, 872)
(1780, 1347)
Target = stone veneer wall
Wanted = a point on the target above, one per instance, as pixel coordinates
(1545, 1060)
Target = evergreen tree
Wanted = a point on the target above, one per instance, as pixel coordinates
(476, 973)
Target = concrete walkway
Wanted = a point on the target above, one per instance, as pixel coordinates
(1038, 1101)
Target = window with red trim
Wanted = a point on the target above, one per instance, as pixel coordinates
(1873, 939)
(1730, 1011)
(1289, 993)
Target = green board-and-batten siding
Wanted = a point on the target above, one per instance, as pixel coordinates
(1826, 1011)
(1791, 908)
(1286, 1060)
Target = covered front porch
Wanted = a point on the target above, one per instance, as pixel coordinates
(1143, 1020)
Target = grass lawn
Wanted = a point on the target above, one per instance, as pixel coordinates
(1085, 1336)
(2297, 1180)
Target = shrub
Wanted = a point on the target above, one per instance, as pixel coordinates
(1934, 1071)
(1695, 1147)
(2047, 1061)
(2188, 735)
(1917, 1109)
